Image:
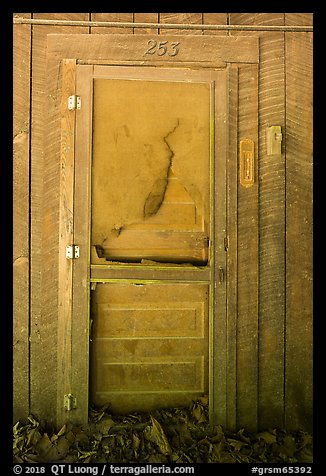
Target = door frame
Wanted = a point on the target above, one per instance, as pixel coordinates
(73, 331)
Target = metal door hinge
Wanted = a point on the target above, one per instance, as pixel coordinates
(72, 251)
(74, 102)
(69, 402)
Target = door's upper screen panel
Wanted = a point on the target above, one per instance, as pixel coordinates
(150, 170)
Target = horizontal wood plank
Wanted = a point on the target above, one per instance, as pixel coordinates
(126, 47)
(150, 271)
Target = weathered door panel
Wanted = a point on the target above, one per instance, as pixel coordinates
(149, 345)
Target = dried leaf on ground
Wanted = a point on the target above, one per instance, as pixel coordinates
(178, 435)
(155, 434)
(268, 436)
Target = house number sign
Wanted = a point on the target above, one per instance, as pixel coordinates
(162, 48)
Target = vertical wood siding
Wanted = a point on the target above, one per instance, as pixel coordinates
(247, 247)
(270, 306)
(21, 256)
(44, 214)
(232, 255)
(271, 232)
(123, 17)
(195, 18)
(298, 332)
(271, 221)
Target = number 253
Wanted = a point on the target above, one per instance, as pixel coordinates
(162, 48)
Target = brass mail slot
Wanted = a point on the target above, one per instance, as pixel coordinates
(247, 162)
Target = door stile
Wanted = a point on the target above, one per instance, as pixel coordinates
(73, 323)
(81, 266)
(218, 328)
(211, 331)
(66, 238)
(231, 245)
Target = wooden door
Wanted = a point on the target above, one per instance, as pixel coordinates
(151, 210)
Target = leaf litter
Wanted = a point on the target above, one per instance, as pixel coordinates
(173, 435)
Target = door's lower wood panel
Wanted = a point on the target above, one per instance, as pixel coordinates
(144, 375)
(149, 345)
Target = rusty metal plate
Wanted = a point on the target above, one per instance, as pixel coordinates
(247, 162)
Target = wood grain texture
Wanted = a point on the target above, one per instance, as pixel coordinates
(21, 262)
(195, 18)
(299, 219)
(215, 19)
(66, 237)
(191, 48)
(81, 266)
(299, 19)
(123, 17)
(149, 271)
(271, 222)
(271, 234)
(231, 247)
(45, 217)
(146, 18)
(219, 329)
(247, 326)
(255, 19)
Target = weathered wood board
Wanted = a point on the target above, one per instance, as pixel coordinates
(271, 220)
(231, 246)
(191, 48)
(195, 18)
(21, 222)
(66, 235)
(44, 220)
(116, 17)
(247, 287)
(299, 227)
